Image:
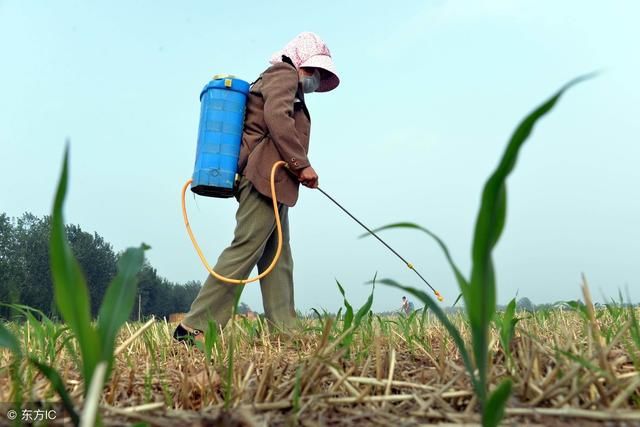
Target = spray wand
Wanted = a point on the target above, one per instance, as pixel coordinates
(274, 201)
(437, 294)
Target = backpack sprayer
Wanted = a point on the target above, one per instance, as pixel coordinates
(222, 106)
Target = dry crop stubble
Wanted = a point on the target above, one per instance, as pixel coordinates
(412, 385)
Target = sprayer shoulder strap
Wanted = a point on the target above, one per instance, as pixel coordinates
(285, 59)
(299, 93)
(299, 97)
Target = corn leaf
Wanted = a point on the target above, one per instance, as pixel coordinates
(118, 301)
(457, 300)
(366, 307)
(496, 403)
(462, 282)
(348, 315)
(453, 331)
(210, 339)
(507, 325)
(9, 341)
(70, 288)
(481, 298)
(56, 381)
(295, 401)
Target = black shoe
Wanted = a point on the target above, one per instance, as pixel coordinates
(181, 334)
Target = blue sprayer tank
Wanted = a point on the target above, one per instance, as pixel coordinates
(222, 105)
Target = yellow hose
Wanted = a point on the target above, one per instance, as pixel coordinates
(275, 167)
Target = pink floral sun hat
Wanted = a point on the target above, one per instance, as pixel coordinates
(308, 50)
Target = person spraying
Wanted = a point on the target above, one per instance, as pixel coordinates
(276, 128)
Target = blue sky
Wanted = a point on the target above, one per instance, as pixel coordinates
(430, 93)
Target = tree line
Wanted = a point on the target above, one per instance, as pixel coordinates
(25, 275)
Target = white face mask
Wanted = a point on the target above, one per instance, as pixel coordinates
(311, 83)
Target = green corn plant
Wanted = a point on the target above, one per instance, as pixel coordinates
(422, 336)
(541, 316)
(211, 340)
(350, 318)
(367, 336)
(72, 300)
(45, 333)
(322, 321)
(579, 307)
(228, 383)
(424, 312)
(635, 335)
(611, 317)
(412, 317)
(405, 323)
(253, 329)
(348, 313)
(384, 325)
(297, 391)
(317, 313)
(148, 375)
(506, 325)
(479, 292)
(9, 341)
(615, 311)
(337, 320)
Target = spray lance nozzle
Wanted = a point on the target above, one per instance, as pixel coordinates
(437, 294)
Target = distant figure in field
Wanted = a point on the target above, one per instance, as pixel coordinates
(407, 307)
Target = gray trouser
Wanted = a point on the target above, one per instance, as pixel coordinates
(254, 243)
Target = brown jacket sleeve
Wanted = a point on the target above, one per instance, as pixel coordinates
(279, 86)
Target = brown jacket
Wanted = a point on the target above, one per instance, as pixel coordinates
(277, 126)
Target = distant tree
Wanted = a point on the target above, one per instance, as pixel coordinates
(545, 306)
(148, 290)
(9, 290)
(97, 260)
(25, 275)
(243, 308)
(160, 297)
(31, 272)
(525, 304)
(7, 245)
(183, 296)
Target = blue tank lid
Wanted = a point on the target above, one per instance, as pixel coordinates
(226, 81)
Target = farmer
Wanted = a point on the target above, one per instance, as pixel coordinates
(277, 125)
(406, 306)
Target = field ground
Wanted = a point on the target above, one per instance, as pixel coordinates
(396, 371)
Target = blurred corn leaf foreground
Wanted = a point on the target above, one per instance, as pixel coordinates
(479, 293)
(72, 296)
(72, 299)
(58, 385)
(506, 324)
(118, 302)
(8, 340)
(70, 288)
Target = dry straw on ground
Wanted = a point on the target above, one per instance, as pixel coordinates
(569, 368)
